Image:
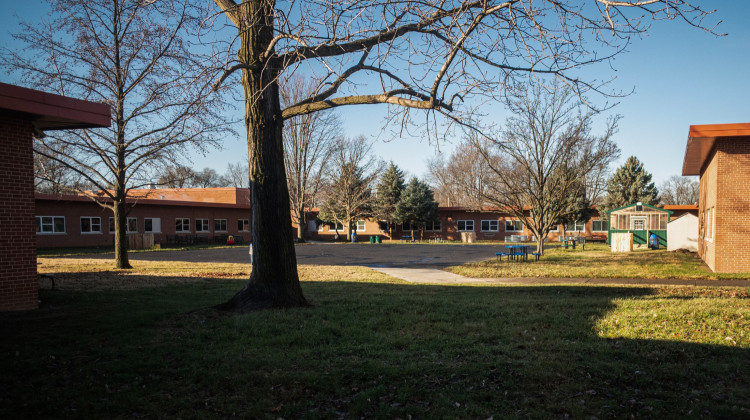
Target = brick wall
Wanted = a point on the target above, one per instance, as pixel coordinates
(732, 227)
(18, 282)
(707, 201)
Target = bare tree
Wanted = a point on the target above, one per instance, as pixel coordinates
(236, 175)
(207, 178)
(52, 177)
(133, 55)
(442, 57)
(461, 179)
(176, 177)
(679, 190)
(352, 175)
(309, 140)
(542, 156)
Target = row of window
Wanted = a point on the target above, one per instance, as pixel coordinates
(468, 226)
(89, 225)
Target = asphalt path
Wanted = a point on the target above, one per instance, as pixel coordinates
(361, 254)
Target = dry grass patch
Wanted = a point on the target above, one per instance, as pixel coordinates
(98, 274)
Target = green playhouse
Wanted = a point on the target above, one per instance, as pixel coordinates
(642, 220)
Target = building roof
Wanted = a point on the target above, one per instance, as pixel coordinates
(664, 209)
(700, 143)
(54, 112)
(194, 197)
(680, 207)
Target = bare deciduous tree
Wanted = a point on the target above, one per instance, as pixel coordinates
(542, 156)
(309, 140)
(679, 190)
(352, 173)
(442, 57)
(236, 175)
(132, 55)
(461, 179)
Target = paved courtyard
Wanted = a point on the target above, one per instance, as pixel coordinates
(363, 254)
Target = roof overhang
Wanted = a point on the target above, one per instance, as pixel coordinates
(54, 112)
(701, 140)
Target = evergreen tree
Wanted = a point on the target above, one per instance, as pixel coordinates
(631, 183)
(389, 191)
(417, 205)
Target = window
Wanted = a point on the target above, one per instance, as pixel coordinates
(91, 225)
(465, 225)
(576, 227)
(152, 225)
(201, 225)
(490, 225)
(220, 225)
(46, 225)
(599, 225)
(361, 226)
(111, 225)
(408, 226)
(433, 226)
(555, 228)
(132, 225)
(182, 225)
(638, 223)
(513, 226)
(243, 225)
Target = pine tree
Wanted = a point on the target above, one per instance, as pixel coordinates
(389, 191)
(417, 205)
(631, 183)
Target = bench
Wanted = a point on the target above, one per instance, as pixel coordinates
(537, 255)
(499, 255)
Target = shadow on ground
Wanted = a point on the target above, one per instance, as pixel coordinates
(365, 350)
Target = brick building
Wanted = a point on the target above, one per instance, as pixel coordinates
(185, 215)
(24, 112)
(720, 154)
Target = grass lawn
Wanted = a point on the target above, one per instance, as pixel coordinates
(372, 347)
(597, 261)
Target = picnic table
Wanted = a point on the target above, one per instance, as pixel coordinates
(518, 253)
(573, 241)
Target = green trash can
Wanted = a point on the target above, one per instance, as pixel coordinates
(377, 239)
(372, 239)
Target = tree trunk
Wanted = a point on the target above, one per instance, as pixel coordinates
(120, 217)
(274, 282)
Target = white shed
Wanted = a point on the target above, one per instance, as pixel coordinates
(682, 233)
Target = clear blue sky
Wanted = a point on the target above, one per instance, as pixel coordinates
(681, 76)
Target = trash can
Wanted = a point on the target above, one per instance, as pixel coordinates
(354, 237)
(377, 239)
(653, 241)
(372, 239)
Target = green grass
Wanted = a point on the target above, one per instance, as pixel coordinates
(379, 348)
(597, 261)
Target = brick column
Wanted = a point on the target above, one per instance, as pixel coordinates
(18, 281)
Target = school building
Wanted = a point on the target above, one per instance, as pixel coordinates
(720, 155)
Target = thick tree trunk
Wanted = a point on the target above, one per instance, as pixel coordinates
(301, 224)
(120, 217)
(274, 282)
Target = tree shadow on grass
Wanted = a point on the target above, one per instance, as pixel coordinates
(366, 350)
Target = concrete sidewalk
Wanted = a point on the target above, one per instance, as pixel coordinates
(435, 276)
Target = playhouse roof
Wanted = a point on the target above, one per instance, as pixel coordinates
(644, 205)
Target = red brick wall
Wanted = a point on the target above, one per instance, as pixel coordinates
(18, 282)
(732, 227)
(74, 210)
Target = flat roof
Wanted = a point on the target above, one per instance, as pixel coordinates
(701, 140)
(54, 112)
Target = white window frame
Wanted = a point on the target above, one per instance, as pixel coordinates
(512, 223)
(182, 221)
(40, 222)
(554, 229)
(202, 225)
(145, 219)
(594, 222)
(489, 225)
(243, 225)
(91, 225)
(434, 226)
(466, 223)
(220, 228)
(361, 225)
(576, 225)
(634, 219)
(127, 225)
